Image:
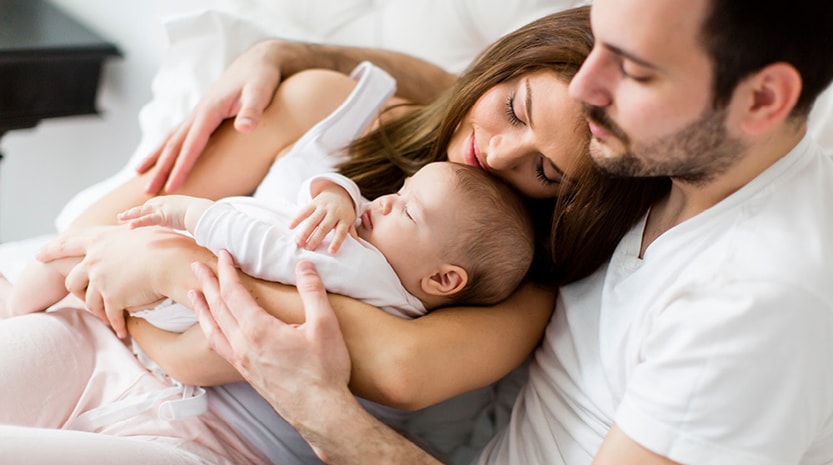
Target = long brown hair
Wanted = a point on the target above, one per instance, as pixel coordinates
(577, 231)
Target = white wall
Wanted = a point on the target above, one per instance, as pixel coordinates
(43, 167)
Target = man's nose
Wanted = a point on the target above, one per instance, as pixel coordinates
(589, 84)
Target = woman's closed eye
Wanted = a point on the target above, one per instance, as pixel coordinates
(542, 175)
(510, 111)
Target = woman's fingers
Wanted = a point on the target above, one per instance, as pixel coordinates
(194, 141)
(165, 156)
(222, 310)
(254, 98)
(65, 245)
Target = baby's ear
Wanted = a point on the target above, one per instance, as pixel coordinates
(446, 280)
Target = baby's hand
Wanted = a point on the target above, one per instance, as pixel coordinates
(332, 209)
(166, 210)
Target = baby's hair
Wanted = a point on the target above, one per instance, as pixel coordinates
(495, 243)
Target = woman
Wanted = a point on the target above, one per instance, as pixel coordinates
(522, 79)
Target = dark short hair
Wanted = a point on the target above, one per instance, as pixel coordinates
(744, 36)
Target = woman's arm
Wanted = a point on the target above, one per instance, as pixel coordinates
(234, 163)
(247, 86)
(184, 356)
(407, 364)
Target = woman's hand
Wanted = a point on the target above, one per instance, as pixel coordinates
(101, 279)
(243, 92)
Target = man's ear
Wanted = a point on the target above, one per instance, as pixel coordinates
(772, 94)
(446, 280)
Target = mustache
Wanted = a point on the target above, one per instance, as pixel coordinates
(598, 116)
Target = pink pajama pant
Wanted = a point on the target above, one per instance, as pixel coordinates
(57, 366)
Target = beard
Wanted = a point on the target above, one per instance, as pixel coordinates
(696, 154)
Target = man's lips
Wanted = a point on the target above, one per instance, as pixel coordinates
(598, 131)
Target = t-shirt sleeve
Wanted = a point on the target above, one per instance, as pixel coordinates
(710, 389)
(305, 193)
(256, 235)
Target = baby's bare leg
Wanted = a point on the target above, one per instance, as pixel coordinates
(39, 286)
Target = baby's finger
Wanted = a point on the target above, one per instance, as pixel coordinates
(320, 233)
(306, 230)
(151, 219)
(302, 215)
(133, 213)
(339, 235)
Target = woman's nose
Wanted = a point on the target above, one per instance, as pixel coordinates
(505, 153)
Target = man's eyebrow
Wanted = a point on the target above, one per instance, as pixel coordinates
(630, 56)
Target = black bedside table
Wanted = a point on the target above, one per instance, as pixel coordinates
(50, 64)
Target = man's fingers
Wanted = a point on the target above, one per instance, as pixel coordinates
(216, 337)
(236, 297)
(313, 294)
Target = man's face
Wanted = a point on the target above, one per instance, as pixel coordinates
(646, 88)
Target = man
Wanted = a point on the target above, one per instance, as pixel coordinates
(706, 339)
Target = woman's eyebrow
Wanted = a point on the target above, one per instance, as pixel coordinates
(529, 104)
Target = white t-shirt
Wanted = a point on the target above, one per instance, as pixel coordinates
(715, 347)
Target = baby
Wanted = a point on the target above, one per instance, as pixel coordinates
(451, 235)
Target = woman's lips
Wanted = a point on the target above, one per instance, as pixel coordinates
(473, 155)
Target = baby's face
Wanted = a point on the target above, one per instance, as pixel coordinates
(411, 226)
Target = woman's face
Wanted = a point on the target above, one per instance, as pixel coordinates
(525, 131)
